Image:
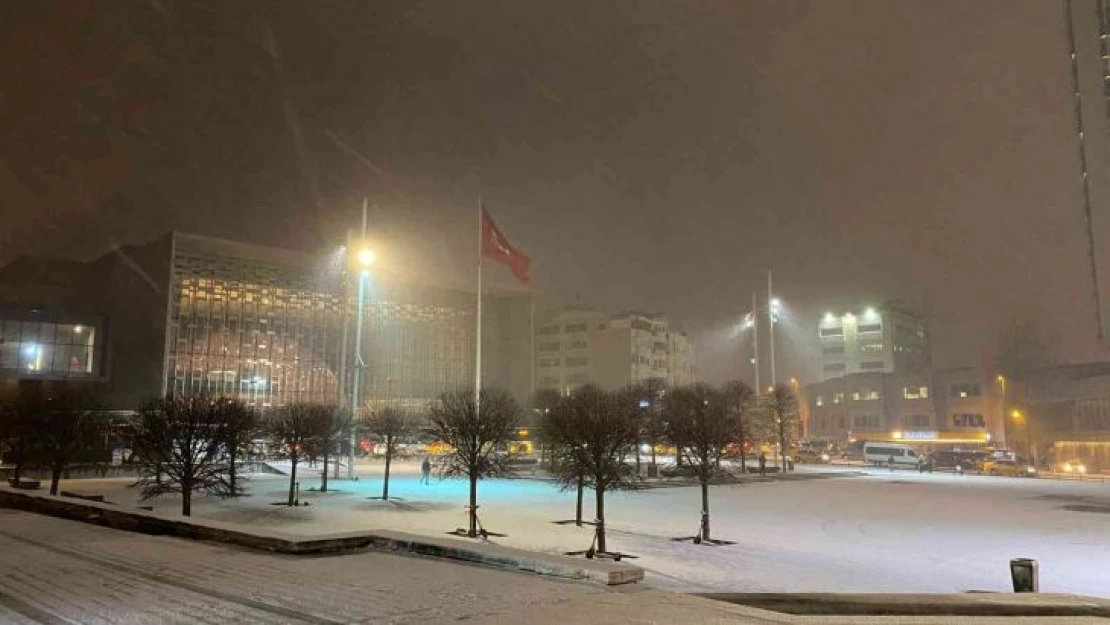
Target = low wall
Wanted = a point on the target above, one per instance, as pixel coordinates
(150, 522)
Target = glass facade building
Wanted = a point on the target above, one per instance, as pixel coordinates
(250, 327)
(188, 314)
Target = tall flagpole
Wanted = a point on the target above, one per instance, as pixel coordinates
(478, 333)
(755, 342)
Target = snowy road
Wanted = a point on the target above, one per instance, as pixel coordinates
(889, 532)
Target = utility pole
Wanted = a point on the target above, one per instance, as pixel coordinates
(771, 323)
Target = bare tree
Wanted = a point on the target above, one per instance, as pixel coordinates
(596, 430)
(332, 431)
(297, 428)
(240, 428)
(562, 456)
(475, 435)
(543, 402)
(742, 402)
(649, 395)
(179, 443)
(65, 428)
(17, 416)
(1021, 348)
(782, 412)
(699, 416)
(391, 425)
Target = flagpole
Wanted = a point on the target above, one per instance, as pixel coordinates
(478, 333)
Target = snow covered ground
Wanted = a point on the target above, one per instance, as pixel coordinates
(887, 531)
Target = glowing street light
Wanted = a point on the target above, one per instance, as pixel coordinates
(870, 314)
(366, 257)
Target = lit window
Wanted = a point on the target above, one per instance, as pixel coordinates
(915, 392)
(819, 400)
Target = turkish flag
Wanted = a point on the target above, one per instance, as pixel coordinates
(495, 246)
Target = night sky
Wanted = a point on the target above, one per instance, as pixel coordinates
(652, 155)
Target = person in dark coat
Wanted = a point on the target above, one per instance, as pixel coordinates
(426, 471)
(762, 463)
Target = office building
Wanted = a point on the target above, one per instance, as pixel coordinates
(575, 347)
(889, 339)
(958, 407)
(187, 314)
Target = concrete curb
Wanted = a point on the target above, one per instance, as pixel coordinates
(901, 605)
(149, 522)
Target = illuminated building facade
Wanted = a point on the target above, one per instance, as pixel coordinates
(187, 314)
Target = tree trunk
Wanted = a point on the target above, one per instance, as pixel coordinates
(473, 530)
(55, 475)
(292, 480)
(186, 500)
(17, 472)
(782, 446)
(578, 506)
(388, 460)
(637, 458)
(231, 473)
(705, 509)
(653, 453)
(324, 475)
(600, 492)
(743, 454)
(677, 454)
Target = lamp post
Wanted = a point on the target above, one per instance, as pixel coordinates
(1002, 403)
(1020, 417)
(364, 258)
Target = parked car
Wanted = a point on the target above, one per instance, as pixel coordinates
(816, 456)
(1073, 466)
(1008, 468)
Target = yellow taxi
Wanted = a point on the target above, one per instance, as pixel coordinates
(1008, 468)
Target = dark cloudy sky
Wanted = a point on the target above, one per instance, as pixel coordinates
(652, 154)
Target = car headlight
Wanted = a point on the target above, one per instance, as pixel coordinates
(825, 457)
(1030, 470)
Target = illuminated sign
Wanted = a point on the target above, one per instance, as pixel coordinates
(919, 435)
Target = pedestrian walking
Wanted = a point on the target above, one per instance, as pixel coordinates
(426, 471)
(762, 463)
(890, 462)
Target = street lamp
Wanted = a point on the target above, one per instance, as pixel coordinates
(1002, 402)
(1020, 417)
(365, 259)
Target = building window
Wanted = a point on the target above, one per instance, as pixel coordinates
(837, 367)
(968, 420)
(549, 381)
(838, 398)
(832, 331)
(547, 330)
(578, 344)
(915, 392)
(871, 347)
(965, 390)
(919, 421)
(864, 394)
(577, 362)
(833, 351)
(549, 362)
(840, 422)
(871, 365)
(575, 327)
(819, 400)
(866, 422)
(548, 347)
(578, 378)
(870, 327)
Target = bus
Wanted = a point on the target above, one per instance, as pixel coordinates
(879, 454)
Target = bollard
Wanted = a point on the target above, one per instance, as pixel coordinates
(1024, 574)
